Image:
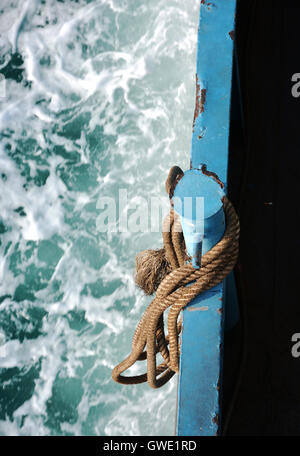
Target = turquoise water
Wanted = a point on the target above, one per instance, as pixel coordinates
(98, 96)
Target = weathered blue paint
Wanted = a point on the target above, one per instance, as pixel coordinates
(201, 353)
(198, 402)
(197, 199)
(214, 74)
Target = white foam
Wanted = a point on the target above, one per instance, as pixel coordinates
(130, 69)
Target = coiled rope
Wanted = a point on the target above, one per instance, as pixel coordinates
(174, 274)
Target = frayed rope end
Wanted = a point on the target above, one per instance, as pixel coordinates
(151, 268)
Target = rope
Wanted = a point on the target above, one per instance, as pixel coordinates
(173, 293)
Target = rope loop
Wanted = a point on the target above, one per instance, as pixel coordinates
(171, 292)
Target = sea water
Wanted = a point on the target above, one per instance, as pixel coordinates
(95, 96)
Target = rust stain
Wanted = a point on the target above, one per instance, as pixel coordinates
(211, 174)
(202, 100)
(208, 5)
(191, 309)
(197, 105)
(202, 133)
(231, 34)
(216, 419)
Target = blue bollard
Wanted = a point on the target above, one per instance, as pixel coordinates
(197, 199)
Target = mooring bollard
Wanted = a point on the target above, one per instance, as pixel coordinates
(197, 199)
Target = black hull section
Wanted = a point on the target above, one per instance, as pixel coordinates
(261, 394)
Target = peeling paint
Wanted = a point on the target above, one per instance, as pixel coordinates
(200, 101)
(209, 5)
(202, 132)
(231, 34)
(220, 311)
(197, 105)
